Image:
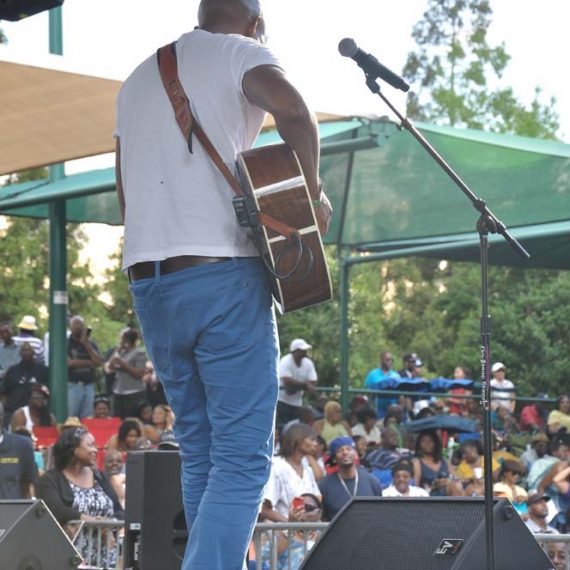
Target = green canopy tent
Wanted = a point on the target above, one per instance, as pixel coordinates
(390, 198)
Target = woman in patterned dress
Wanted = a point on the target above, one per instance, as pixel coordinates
(75, 490)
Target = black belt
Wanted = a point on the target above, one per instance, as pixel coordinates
(145, 269)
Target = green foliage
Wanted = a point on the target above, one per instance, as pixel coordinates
(456, 68)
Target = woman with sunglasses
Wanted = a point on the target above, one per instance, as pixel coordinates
(76, 491)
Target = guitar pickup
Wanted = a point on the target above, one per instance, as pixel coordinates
(246, 211)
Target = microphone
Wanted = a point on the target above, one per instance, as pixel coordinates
(370, 64)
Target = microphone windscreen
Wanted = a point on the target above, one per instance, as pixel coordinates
(347, 47)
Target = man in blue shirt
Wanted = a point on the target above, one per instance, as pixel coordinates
(374, 381)
(349, 481)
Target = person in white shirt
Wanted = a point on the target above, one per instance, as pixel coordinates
(297, 375)
(502, 388)
(402, 474)
(538, 515)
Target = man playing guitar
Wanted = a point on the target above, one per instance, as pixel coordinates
(198, 286)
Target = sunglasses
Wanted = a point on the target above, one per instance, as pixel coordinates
(310, 508)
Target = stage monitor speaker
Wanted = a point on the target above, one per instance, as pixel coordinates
(156, 532)
(15, 10)
(31, 539)
(424, 534)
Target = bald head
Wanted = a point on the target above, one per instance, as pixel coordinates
(232, 17)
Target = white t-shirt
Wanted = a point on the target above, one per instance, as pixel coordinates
(414, 491)
(285, 484)
(304, 373)
(501, 389)
(178, 203)
(374, 436)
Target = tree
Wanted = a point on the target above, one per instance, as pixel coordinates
(455, 66)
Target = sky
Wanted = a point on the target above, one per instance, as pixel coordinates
(109, 38)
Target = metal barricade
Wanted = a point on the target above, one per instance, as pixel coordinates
(98, 542)
(276, 546)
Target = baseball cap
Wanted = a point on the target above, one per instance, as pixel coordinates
(537, 497)
(339, 442)
(28, 323)
(168, 441)
(42, 389)
(498, 366)
(299, 344)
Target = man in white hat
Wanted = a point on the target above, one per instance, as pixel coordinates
(297, 374)
(501, 389)
(27, 326)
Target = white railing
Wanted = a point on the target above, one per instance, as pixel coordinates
(275, 545)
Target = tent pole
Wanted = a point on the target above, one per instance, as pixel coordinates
(57, 265)
(344, 299)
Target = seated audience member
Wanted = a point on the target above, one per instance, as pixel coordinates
(102, 426)
(503, 421)
(361, 449)
(162, 420)
(501, 448)
(382, 460)
(130, 430)
(375, 379)
(510, 474)
(457, 404)
(541, 467)
(470, 470)
(431, 470)
(20, 378)
(114, 472)
(9, 350)
(291, 472)
(18, 470)
(538, 450)
(356, 404)
(402, 474)
(532, 418)
(36, 413)
(101, 407)
(127, 363)
(367, 428)
(395, 419)
(537, 520)
(305, 415)
(75, 490)
(292, 548)
(560, 418)
(558, 554)
(332, 425)
(349, 481)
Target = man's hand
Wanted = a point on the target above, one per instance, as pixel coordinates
(323, 213)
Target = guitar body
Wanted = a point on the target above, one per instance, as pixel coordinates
(272, 175)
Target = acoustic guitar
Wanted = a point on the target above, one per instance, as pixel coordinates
(297, 270)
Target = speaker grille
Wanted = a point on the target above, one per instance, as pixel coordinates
(382, 533)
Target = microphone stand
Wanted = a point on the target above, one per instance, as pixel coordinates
(487, 223)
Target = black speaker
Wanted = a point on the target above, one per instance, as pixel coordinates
(156, 532)
(31, 539)
(15, 10)
(424, 534)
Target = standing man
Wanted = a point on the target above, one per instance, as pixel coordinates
(297, 375)
(26, 329)
(18, 471)
(349, 481)
(501, 389)
(374, 381)
(82, 359)
(198, 285)
(9, 351)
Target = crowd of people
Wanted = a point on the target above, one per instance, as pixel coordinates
(322, 457)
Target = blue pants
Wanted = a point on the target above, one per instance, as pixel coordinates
(210, 332)
(80, 398)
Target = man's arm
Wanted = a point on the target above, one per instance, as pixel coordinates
(118, 179)
(267, 87)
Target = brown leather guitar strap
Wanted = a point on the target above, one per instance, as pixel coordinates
(168, 67)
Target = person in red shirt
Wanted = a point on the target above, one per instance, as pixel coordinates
(532, 417)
